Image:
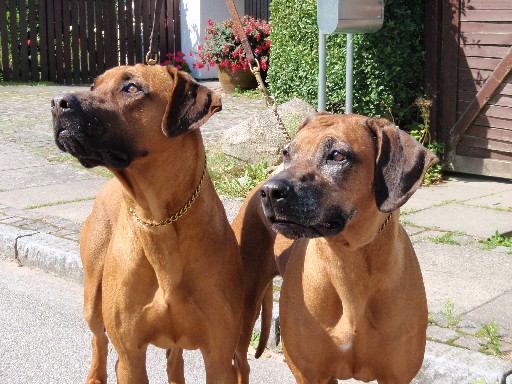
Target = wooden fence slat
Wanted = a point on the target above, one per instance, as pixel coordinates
(13, 29)
(474, 74)
(498, 111)
(485, 15)
(482, 142)
(146, 26)
(84, 69)
(163, 42)
(23, 17)
(486, 154)
(107, 38)
(100, 46)
(479, 63)
(75, 41)
(43, 41)
(6, 67)
(177, 26)
(33, 36)
(489, 4)
(130, 34)
(490, 133)
(493, 122)
(489, 51)
(138, 30)
(66, 41)
(485, 28)
(91, 39)
(121, 22)
(59, 51)
(486, 39)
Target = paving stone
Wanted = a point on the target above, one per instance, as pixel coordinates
(9, 235)
(469, 342)
(442, 334)
(475, 221)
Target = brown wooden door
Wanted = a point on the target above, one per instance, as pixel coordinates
(474, 104)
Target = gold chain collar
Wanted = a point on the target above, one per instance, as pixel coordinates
(384, 223)
(174, 217)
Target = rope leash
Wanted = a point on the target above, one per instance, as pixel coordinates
(255, 68)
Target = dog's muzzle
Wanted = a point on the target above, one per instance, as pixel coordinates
(77, 134)
(298, 214)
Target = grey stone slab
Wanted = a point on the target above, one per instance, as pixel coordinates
(469, 342)
(467, 276)
(499, 309)
(76, 212)
(52, 254)
(9, 235)
(455, 189)
(442, 334)
(475, 221)
(501, 200)
(47, 174)
(449, 365)
(12, 157)
(52, 194)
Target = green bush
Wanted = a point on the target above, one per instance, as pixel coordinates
(388, 65)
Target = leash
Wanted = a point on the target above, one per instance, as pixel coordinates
(175, 216)
(152, 55)
(254, 65)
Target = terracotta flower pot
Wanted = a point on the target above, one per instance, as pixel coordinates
(229, 79)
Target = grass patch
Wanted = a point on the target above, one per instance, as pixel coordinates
(250, 93)
(491, 333)
(450, 317)
(255, 339)
(497, 241)
(447, 238)
(232, 177)
(59, 203)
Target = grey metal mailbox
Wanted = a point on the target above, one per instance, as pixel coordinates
(350, 16)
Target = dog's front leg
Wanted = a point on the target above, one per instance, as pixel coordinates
(131, 367)
(219, 367)
(175, 370)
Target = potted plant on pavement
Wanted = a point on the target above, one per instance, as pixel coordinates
(222, 47)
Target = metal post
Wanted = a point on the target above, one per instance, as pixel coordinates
(349, 75)
(321, 71)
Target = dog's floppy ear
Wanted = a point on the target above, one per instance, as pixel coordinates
(401, 163)
(190, 106)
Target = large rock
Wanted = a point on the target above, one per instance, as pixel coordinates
(259, 137)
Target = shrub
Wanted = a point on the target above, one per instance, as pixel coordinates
(388, 65)
(222, 45)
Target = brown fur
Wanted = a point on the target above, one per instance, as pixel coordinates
(177, 286)
(352, 303)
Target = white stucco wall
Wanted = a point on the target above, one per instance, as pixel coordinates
(194, 17)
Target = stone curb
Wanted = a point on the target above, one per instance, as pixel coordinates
(442, 364)
(41, 250)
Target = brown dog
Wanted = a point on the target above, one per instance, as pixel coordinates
(352, 302)
(161, 263)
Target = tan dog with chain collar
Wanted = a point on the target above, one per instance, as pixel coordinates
(161, 263)
(352, 302)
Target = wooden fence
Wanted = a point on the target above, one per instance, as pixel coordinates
(257, 9)
(72, 41)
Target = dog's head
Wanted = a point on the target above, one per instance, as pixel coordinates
(128, 112)
(339, 169)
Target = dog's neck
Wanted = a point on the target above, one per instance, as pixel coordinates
(155, 192)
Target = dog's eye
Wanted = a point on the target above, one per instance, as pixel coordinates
(132, 89)
(336, 156)
(286, 154)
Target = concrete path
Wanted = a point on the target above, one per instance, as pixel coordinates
(45, 196)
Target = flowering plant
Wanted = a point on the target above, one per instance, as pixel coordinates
(223, 47)
(177, 60)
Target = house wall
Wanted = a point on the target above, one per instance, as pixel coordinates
(194, 17)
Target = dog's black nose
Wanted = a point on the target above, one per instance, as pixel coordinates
(64, 103)
(275, 190)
